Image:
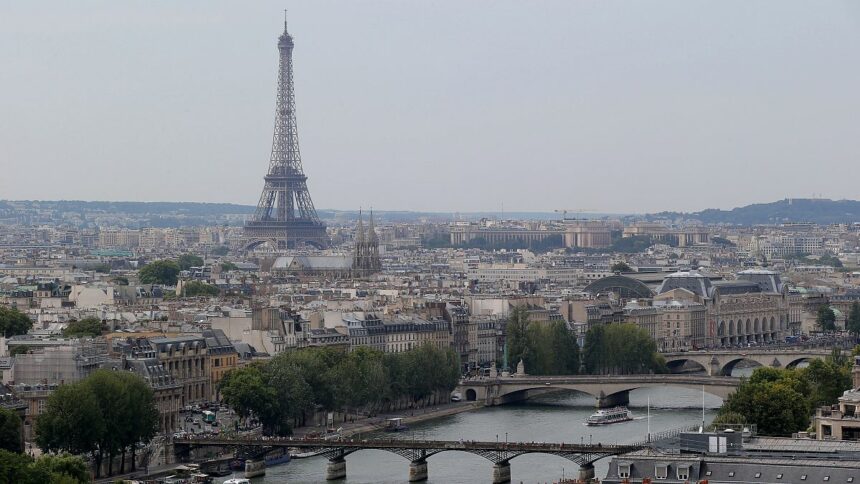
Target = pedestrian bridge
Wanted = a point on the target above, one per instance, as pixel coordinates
(609, 390)
(416, 451)
(722, 362)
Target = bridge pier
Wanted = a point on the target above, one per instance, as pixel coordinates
(614, 400)
(418, 471)
(502, 473)
(586, 472)
(336, 469)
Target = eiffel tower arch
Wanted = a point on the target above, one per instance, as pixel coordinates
(285, 217)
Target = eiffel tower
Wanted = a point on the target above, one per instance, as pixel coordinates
(285, 217)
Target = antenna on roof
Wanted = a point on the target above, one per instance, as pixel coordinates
(285, 20)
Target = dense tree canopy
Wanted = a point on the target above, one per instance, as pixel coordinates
(620, 349)
(826, 318)
(13, 322)
(104, 414)
(544, 348)
(10, 431)
(160, 272)
(198, 288)
(84, 328)
(282, 391)
(781, 401)
(187, 261)
(16, 468)
(621, 267)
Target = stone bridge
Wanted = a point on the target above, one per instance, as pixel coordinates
(722, 362)
(609, 390)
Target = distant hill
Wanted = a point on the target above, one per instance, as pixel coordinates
(188, 208)
(817, 210)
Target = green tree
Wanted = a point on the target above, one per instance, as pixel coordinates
(853, 321)
(187, 261)
(221, 250)
(13, 322)
(621, 349)
(106, 413)
(160, 272)
(84, 328)
(228, 266)
(10, 431)
(517, 339)
(826, 318)
(827, 379)
(18, 468)
(621, 267)
(140, 419)
(198, 288)
(71, 422)
(775, 400)
(72, 467)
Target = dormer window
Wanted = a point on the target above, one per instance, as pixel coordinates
(624, 470)
(661, 471)
(683, 472)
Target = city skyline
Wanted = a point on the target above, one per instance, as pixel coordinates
(173, 103)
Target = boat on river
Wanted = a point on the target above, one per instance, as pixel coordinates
(606, 416)
(396, 425)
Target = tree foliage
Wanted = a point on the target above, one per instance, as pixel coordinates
(84, 328)
(13, 322)
(545, 349)
(160, 272)
(198, 288)
(781, 401)
(105, 414)
(621, 267)
(620, 349)
(281, 391)
(825, 318)
(228, 266)
(187, 261)
(16, 468)
(10, 431)
(853, 321)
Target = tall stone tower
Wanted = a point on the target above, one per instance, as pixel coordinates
(285, 217)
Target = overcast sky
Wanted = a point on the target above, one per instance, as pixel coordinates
(446, 106)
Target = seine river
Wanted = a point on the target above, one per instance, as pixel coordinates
(557, 417)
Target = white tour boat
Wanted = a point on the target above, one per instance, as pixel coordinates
(605, 416)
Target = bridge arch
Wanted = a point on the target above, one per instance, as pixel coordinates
(471, 395)
(729, 366)
(675, 365)
(792, 363)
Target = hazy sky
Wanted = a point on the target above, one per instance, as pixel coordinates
(452, 106)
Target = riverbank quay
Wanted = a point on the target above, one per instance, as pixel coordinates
(379, 421)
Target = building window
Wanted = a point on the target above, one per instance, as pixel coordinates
(779, 476)
(803, 477)
(757, 475)
(683, 473)
(624, 470)
(661, 471)
(731, 473)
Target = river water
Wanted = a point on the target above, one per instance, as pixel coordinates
(557, 417)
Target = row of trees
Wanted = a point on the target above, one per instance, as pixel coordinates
(104, 415)
(780, 401)
(552, 349)
(620, 349)
(284, 390)
(545, 349)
